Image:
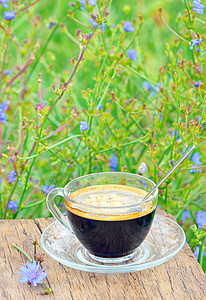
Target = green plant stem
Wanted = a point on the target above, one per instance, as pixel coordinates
(26, 7)
(119, 146)
(80, 23)
(188, 11)
(133, 39)
(202, 105)
(103, 81)
(174, 32)
(190, 200)
(1, 205)
(34, 204)
(107, 54)
(25, 186)
(72, 38)
(66, 83)
(104, 94)
(199, 20)
(155, 173)
(153, 83)
(177, 119)
(9, 198)
(166, 191)
(23, 252)
(3, 63)
(108, 3)
(200, 256)
(28, 174)
(44, 48)
(48, 288)
(196, 204)
(131, 117)
(53, 146)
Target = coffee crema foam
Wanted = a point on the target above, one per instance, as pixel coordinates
(109, 196)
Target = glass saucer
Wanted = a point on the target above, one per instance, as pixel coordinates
(165, 239)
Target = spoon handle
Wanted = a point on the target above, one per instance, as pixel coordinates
(170, 171)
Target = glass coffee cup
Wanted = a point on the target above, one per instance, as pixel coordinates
(106, 212)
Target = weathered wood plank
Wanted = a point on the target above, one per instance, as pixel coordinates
(179, 278)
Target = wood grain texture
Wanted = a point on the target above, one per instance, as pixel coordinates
(179, 278)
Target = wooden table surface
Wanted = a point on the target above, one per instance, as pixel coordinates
(179, 278)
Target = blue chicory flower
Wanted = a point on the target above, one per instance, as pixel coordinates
(7, 72)
(52, 24)
(195, 42)
(46, 189)
(144, 183)
(13, 205)
(196, 252)
(3, 2)
(12, 176)
(157, 87)
(99, 107)
(147, 85)
(185, 215)
(92, 2)
(152, 90)
(102, 26)
(83, 3)
(132, 54)
(3, 117)
(94, 24)
(128, 26)
(197, 83)
(199, 119)
(195, 170)
(177, 135)
(195, 158)
(44, 104)
(201, 218)
(9, 15)
(198, 7)
(31, 275)
(160, 116)
(3, 106)
(83, 126)
(11, 159)
(113, 163)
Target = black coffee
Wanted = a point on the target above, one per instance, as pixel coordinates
(117, 235)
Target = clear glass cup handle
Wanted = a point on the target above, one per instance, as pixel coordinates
(55, 210)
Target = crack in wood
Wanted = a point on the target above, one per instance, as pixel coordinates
(38, 226)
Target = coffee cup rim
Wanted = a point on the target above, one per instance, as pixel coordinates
(68, 185)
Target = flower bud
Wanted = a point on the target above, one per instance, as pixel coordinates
(78, 33)
(142, 169)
